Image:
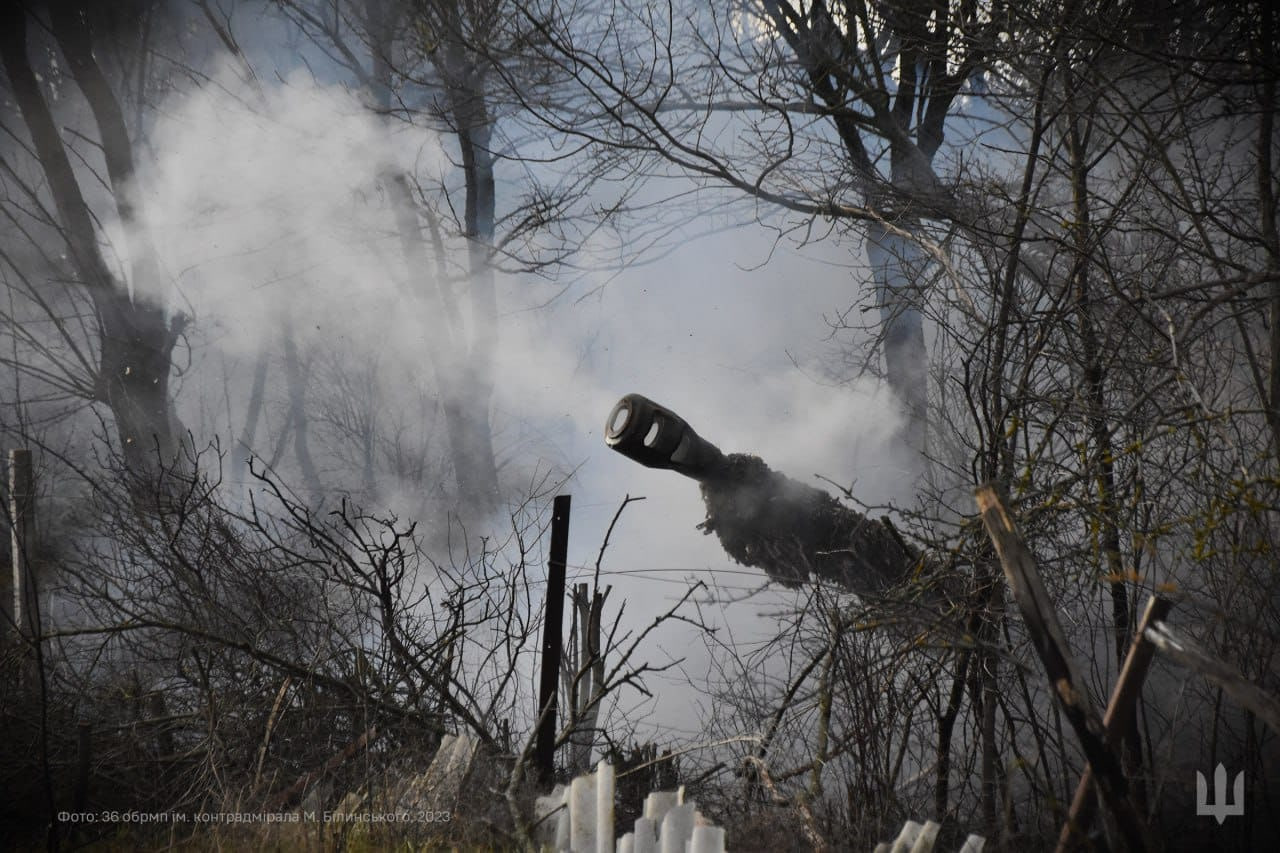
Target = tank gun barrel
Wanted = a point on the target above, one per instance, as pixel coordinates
(657, 437)
(762, 517)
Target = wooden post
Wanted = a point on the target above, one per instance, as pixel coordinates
(8, 627)
(21, 525)
(1041, 619)
(1116, 719)
(577, 681)
(159, 713)
(553, 625)
(595, 657)
(583, 673)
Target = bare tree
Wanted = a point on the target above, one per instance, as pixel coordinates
(434, 64)
(836, 110)
(135, 334)
(1094, 254)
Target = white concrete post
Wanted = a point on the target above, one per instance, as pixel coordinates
(646, 836)
(707, 839)
(677, 828)
(582, 814)
(604, 807)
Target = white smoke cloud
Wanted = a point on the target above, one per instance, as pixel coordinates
(266, 209)
(265, 206)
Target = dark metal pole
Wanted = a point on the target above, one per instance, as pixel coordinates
(545, 748)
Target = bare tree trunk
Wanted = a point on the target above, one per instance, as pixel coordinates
(244, 446)
(296, 378)
(463, 363)
(1094, 374)
(985, 688)
(136, 336)
(478, 471)
(136, 356)
(585, 676)
(897, 266)
(946, 733)
(1267, 215)
(897, 263)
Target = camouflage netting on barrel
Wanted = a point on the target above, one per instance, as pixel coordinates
(768, 520)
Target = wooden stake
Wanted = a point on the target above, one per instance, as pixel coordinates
(1042, 622)
(552, 640)
(21, 524)
(1184, 652)
(1116, 720)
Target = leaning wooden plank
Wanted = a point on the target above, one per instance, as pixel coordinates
(973, 844)
(1041, 619)
(1119, 712)
(1185, 652)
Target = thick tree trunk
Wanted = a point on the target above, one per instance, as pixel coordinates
(477, 465)
(897, 263)
(244, 446)
(296, 378)
(137, 345)
(1267, 219)
(136, 336)
(463, 362)
(897, 267)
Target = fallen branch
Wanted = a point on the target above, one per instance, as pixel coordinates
(809, 826)
(1186, 653)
